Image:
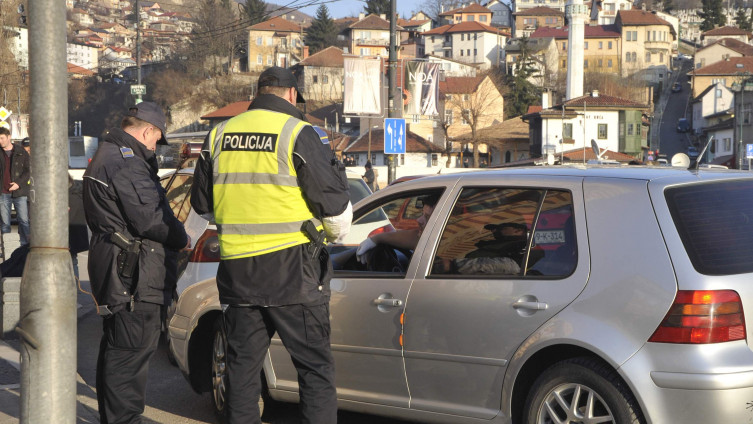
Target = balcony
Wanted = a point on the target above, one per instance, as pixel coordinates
(447, 45)
(372, 42)
(660, 45)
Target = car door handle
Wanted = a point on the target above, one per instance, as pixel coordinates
(534, 306)
(388, 302)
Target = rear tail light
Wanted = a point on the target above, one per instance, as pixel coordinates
(207, 248)
(702, 316)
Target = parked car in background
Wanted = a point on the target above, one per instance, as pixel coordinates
(692, 152)
(676, 87)
(683, 125)
(622, 302)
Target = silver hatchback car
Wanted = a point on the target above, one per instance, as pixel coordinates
(534, 295)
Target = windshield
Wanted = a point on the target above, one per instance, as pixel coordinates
(715, 223)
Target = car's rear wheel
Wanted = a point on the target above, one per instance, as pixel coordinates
(581, 390)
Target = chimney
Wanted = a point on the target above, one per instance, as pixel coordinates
(383, 16)
(305, 52)
(643, 7)
(545, 96)
(361, 16)
(595, 93)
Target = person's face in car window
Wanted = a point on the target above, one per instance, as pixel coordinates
(424, 218)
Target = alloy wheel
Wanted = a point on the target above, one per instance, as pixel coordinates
(574, 404)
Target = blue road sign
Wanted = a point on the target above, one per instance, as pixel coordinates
(394, 136)
(749, 151)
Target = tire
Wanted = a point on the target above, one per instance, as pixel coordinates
(219, 369)
(562, 393)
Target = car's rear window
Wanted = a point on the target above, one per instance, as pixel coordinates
(715, 222)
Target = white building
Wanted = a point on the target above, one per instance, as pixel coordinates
(82, 55)
(713, 105)
(19, 45)
(467, 42)
(453, 68)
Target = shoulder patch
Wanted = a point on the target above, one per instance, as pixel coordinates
(126, 152)
(322, 134)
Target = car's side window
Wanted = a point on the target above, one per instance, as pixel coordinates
(554, 242)
(177, 195)
(391, 226)
(489, 233)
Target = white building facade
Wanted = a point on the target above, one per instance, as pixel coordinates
(82, 55)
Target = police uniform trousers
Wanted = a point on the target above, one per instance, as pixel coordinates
(304, 330)
(130, 339)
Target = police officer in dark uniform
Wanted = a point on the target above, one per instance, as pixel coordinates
(134, 243)
(264, 174)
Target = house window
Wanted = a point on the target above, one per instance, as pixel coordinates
(719, 80)
(564, 45)
(466, 97)
(482, 18)
(661, 57)
(567, 131)
(609, 63)
(585, 45)
(315, 79)
(416, 119)
(475, 52)
(564, 63)
(259, 59)
(461, 52)
(468, 52)
(463, 115)
(602, 131)
(269, 60)
(270, 41)
(365, 51)
(325, 79)
(648, 57)
(627, 56)
(259, 41)
(462, 37)
(585, 64)
(434, 159)
(718, 93)
(448, 117)
(629, 129)
(471, 18)
(609, 45)
(648, 35)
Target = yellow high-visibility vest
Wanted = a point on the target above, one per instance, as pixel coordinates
(258, 205)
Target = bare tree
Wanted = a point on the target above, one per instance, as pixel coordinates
(479, 103)
(218, 30)
(434, 7)
(13, 78)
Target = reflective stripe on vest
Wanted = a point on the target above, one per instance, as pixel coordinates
(258, 205)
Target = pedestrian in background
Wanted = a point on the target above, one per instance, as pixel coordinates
(264, 174)
(16, 173)
(26, 144)
(134, 242)
(370, 176)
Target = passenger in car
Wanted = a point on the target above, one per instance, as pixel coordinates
(402, 239)
(509, 241)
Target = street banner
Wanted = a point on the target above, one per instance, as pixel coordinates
(421, 88)
(363, 79)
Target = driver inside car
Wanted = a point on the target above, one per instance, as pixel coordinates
(401, 239)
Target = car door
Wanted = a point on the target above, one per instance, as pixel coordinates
(477, 297)
(365, 315)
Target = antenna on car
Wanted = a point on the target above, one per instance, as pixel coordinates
(700, 156)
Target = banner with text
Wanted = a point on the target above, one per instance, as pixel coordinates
(421, 88)
(363, 77)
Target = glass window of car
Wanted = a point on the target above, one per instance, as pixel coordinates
(179, 195)
(715, 224)
(489, 233)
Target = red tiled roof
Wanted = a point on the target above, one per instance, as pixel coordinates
(475, 8)
(730, 66)
(78, 70)
(468, 26)
(534, 109)
(228, 111)
(513, 129)
(451, 12)
(276, 24)
(602, 101)
(640, 17)
(459, 85)
(540, 11)
(726, 30)
(732, 44)
(373, 22)
(406, 23)
(331, 56)
(590, 31)
(414, 143)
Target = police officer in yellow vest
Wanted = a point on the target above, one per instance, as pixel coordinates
(263, 174)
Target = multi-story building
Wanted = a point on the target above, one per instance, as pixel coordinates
(646, 45)
(274, 42)
(544, 59)
(722, 49)
(601, 47)
(468, 42)
(370, 36)
(82, 55)
(320, 76)
(711, 107)
(411, 42)
(607, 12)
(474, 12)
(501, 14)
(528, 20)
(18, 43)
(727, 72)
(519, 5)
(716, 34)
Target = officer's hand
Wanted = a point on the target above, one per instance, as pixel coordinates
(364, 247)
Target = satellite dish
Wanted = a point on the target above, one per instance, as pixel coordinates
(595, 148)
(681, 160)
(20, 8)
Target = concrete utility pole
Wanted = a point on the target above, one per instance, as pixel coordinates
(138, 49)
(392, 81)
(48, 289)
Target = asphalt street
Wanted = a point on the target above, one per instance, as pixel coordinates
(676, 107)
